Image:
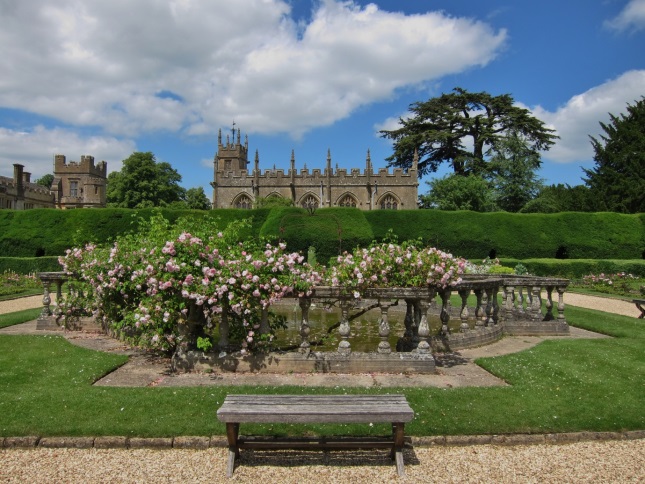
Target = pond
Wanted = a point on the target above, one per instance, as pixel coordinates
(364, 335)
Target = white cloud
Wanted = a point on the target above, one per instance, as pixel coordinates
(35, 149)
(632, 17)
(98, 63)
(579, 118)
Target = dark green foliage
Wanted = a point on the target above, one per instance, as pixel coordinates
(49, 232)
(143, 182)
(442, 127)
(617, 180)
(522, 236)
(329, 230)
(29, 265)
(45, 180)
(196, 199)
(456, 192)
(562, 198)
(577, 268)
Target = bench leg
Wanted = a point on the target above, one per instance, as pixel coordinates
(398, 430)
(232, 431)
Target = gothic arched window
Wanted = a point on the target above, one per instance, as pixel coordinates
(347, 201)
(388, 202)
(309, 202)
(243, 201)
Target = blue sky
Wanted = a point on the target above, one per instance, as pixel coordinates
(109, 78)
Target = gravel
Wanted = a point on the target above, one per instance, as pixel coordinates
(607, 461)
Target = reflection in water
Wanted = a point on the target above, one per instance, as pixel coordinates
(363, 337)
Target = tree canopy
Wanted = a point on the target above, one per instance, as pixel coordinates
(143, 182)
(196, 199)
(617, 180)
(45, 180)
(463, 128)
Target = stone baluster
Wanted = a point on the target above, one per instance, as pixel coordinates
(490, 301)
(384, 332)
(46, 312)
(561, 303)
(464, 293)
(264, 321)
(223, 330)
(549, 304)
(479, 312)
(424, 329)
(445, 315)
(509, 296)
(415, 322)
(536, 303)
(344, 347)
(520, 302)
(305, 304)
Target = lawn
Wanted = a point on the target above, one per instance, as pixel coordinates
(558, 386)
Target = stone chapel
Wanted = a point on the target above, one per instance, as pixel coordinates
(237, 186)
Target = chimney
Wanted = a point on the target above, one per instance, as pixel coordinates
(17, 174)
(26, 177)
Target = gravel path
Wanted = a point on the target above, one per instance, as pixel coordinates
(593, 461)
(581, 462)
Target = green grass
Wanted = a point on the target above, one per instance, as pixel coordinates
(18, 317)
(557, 386)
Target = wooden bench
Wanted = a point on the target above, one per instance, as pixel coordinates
(639, 304)
(238, 409)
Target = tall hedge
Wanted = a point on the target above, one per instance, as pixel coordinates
(521, 236)
(328, 230)
(49, 232)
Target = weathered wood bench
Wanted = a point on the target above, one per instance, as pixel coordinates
(639, 304)
(238, 409)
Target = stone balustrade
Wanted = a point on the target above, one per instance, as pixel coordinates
(48, 318)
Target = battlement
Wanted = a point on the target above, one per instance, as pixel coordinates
(85, 167)
(318, 174)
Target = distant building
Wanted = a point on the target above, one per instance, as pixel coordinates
(75, 185)
(18, 193)
(79, 185)
(234, 186)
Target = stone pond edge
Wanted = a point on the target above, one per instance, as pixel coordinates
(201, 443)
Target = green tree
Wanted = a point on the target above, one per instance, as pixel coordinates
(196, 199)
(562, 198)
(617, 180)
(456, 192)
(272, 202)
(441, 128)
(45, 180)
(513, 173)
(142, 183)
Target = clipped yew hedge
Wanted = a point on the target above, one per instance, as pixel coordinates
(29, 265)
(610, 236)
(50, 232)
(578, 268)
(566, 235)
(329, 230)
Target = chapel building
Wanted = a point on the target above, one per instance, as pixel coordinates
(235, 186)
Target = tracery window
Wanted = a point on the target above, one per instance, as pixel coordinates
(243, 201)
(310, 202)
(347, 201)
(388, 202)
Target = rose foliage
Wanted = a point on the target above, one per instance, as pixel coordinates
(145, 285)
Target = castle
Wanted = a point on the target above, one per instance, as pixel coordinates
(79, 185)
(235, 187)
(75, 185)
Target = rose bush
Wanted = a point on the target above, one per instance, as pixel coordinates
(145, 285)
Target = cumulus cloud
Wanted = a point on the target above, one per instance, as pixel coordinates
(193, 65)
(31, 149)
(579, 118)
(631, 17)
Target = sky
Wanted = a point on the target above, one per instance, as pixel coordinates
(91, 77)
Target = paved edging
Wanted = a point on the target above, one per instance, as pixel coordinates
(201, 443)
